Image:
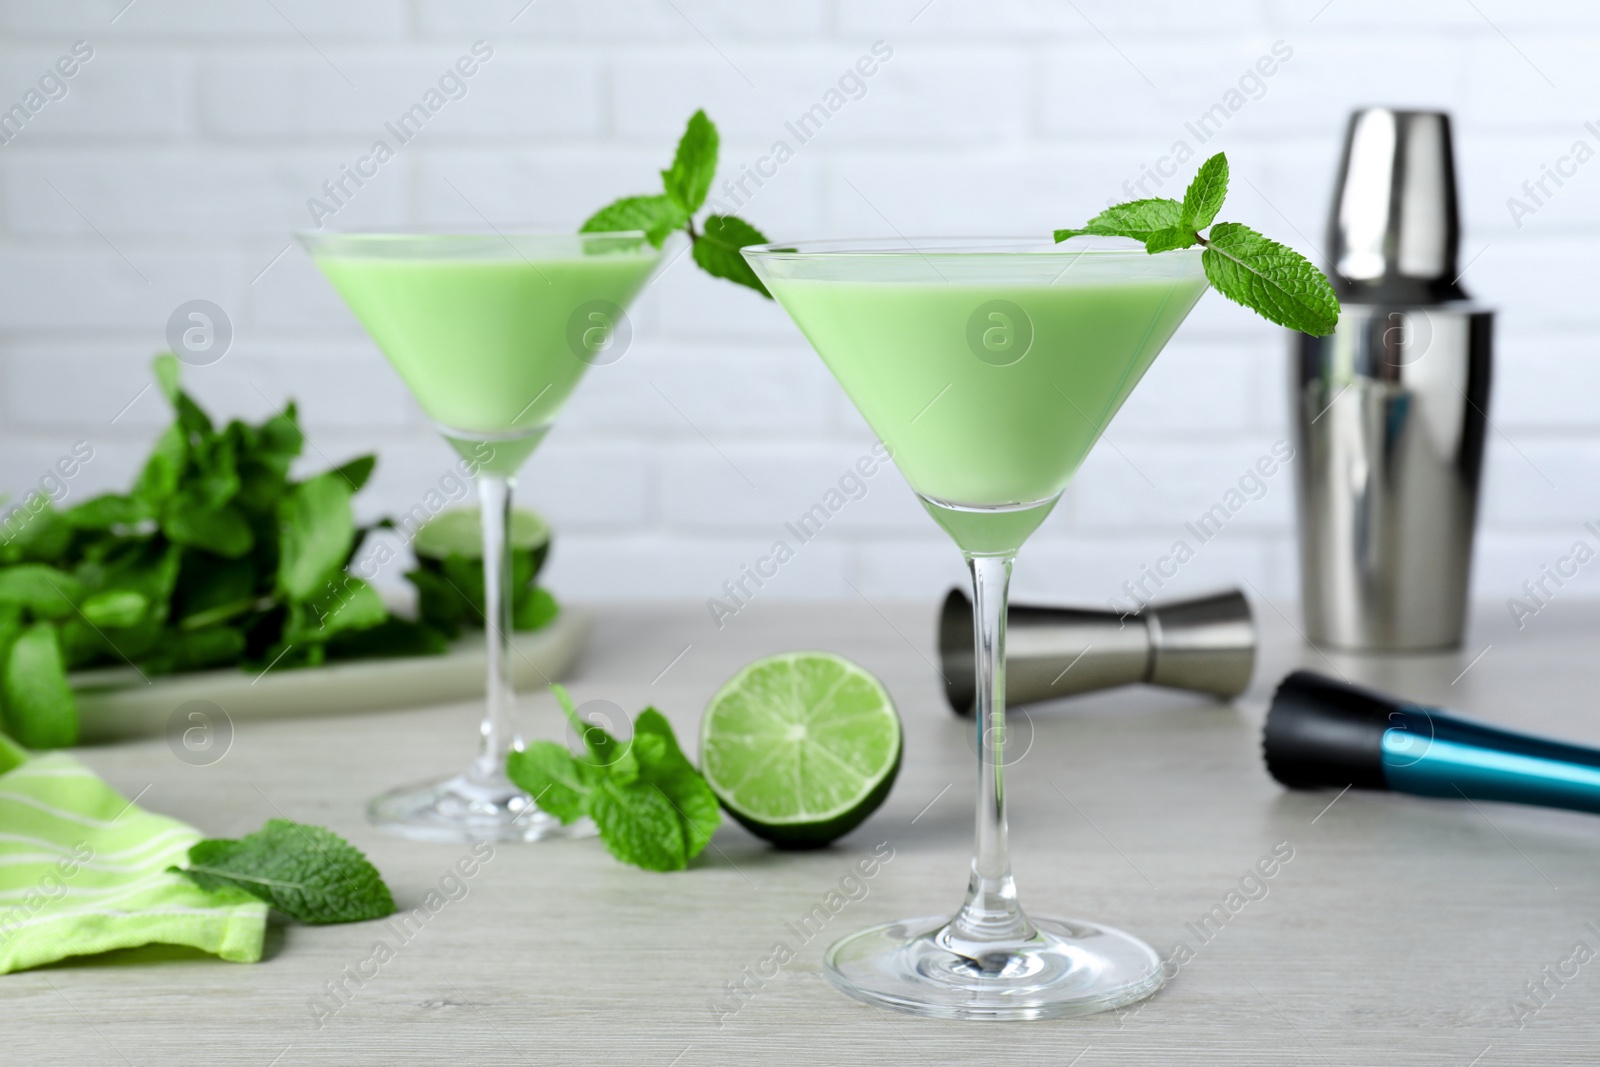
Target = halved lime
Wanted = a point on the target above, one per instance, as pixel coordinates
(449, 575)
(456, 533)
(801, 747)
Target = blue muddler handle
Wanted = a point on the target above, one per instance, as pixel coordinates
(1324, 733)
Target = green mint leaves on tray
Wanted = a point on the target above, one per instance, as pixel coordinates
(215, 556)
(306, 872)
(653, 809)
(1271, 279)
(686, 184)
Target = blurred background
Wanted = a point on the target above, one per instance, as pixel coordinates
(197, 135)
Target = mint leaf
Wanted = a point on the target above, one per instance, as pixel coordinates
(317, 531)
(306, 872)
(663, 757)
(694, 801)
(45, 538)
(220, 530)
(11, 627)
(214, 474)
(192, 420)
(558, 782)
(166, 370)
(39, 709)
(265, 453)
(716, 249)
(344, 604)
(47, 592)
(1203, 198)
(629, 766)
(1271, 279)
(603, 748)
(1170, 239)
(357, 471)
(279, 440)
(1137, 219)
(115, 607)
(657, 216)
(638, 825)
(679, 782)
(689, 179)
(107, 510)
(159, 478)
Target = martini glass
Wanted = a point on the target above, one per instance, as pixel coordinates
(491, 331)
(988, 367)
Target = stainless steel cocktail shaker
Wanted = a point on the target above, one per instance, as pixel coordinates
(1389, 411)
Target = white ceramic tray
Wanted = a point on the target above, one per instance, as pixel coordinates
(115, 703)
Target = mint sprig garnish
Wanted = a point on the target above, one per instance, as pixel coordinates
(306, 872)
(653, 809)
(1271, 279)
(686, 184)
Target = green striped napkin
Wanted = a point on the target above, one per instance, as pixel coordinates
(83, 871)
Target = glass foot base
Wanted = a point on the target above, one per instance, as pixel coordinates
(466, 807)
(1066, 968)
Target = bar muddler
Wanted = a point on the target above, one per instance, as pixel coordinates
(1321, 733)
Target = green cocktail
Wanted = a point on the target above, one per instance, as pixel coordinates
(989, 368)
(484, 343)
(491, 332)
(988, 391)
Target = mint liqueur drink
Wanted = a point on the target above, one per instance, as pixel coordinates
(989, 375)
(989, 368)
(491, 332)
(483, 341)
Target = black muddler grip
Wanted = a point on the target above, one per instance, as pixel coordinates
(1322, 733)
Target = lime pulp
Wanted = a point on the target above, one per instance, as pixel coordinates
(801, 747)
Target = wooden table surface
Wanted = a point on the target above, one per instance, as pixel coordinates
(1401, 931)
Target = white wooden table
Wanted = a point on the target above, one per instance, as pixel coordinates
(1402, 931)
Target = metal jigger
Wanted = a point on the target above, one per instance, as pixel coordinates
(1206, 645)
(1389, 410)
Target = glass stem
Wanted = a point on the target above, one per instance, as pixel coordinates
(991, 913)
(494, 500)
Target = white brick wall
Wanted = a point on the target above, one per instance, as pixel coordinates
(184, 152)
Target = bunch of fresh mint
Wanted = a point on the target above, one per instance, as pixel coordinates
(653, 809)
(215, 556)
(306, 872)
(1272, 280)
(687, 182)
